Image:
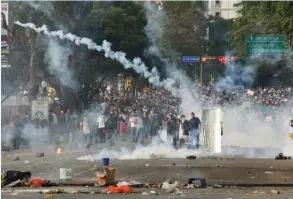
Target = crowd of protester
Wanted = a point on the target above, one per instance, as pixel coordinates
(140, 118)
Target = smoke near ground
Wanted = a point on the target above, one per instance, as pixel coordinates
(244, 135)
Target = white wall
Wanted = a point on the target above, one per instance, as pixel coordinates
(226, 8)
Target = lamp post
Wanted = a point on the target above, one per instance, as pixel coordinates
(206, 49)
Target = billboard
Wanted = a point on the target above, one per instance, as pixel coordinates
(4, 28)
(4, 36)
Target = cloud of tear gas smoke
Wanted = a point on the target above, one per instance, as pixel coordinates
(236, 75)
(246, 132)
(46, 7)
(249, 135)
(156, 149)
(231, 129)
(154, 30)
(136, 64)
(56, 56)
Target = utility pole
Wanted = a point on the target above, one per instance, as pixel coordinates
(33, 40)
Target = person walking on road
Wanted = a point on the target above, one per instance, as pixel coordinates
(195, 125)
(102, 127)
(85, 128)
(133, 126)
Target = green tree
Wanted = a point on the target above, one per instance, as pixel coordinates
(186, 28)
(271, 17)
(219, 32)
(120, 23)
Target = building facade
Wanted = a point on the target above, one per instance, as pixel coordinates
(223, 8)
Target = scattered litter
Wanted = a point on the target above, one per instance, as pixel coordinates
(106, 177)
(258, 192)
(189, 186)
(173, 164)
(178, 192)
(48, 196)
(197, 182)
(13, 183)
(74, 192)
(65, 174)
(37, 182)
(122, 189)
(26, 162)
(273, 191)
(280, 156)
(40, 154)
(130, 183)
(145, 193)
(217, 186)
(8, 177)
(147, 165)
(15, 159)
(269, 172)
(147, 185)
(170, 188)
(191, 157)
(153, 192)
(252, 177)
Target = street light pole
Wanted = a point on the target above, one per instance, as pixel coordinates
(206, 49)
(201, 70)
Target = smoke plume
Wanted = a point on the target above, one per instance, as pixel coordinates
(57, 58)
(155, 30)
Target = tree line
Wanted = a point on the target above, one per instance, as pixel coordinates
(184, 32)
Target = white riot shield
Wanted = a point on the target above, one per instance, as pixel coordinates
(212, 130)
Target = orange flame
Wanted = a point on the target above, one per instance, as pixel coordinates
(59, 150)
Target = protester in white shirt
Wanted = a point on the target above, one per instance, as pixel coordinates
(139, 130)
(133, 120)
(101, 120)
(85, 128)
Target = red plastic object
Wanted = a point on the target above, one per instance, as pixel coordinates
(122, 189)
(37, 182)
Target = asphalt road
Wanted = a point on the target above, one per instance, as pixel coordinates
(225, 193)
(215, 170)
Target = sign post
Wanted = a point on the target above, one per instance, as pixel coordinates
(191, 60)
(265, 44)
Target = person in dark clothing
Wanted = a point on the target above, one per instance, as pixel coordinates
(194, 124)
(16, 137)
(146, 121)
(172, 129)
(185, 130)
(112, 126)
(62, 122)
(26, 123)
(154, 123)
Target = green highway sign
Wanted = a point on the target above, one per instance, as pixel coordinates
(265, 44)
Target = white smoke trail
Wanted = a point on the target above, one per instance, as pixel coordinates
(137, 64)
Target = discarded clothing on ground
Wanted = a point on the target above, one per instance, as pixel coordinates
(7, 177)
